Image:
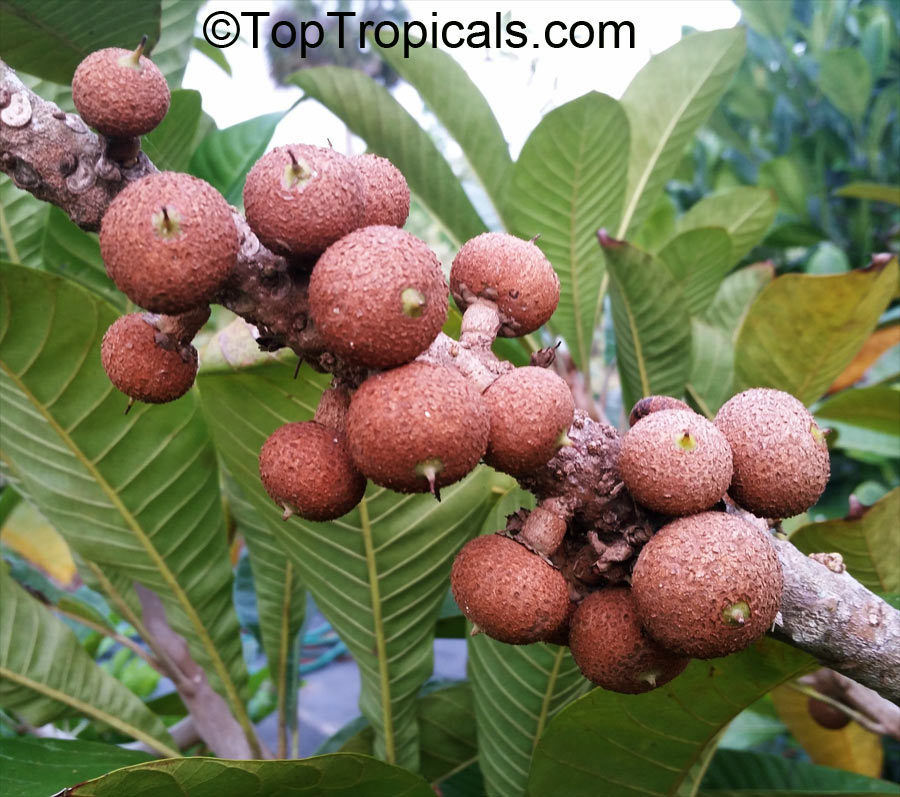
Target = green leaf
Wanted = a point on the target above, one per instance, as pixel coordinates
(803, 330)
(214, 54)
(741, 772)
(653, 329)
(176, 39)
(745, 213)
(667, 102)
(169, 145)
(648, 744)
(769, 17)
(335, 775)
(45, 673)
(877, 192)
(870, 543)
(370, 111)
(49, 39)
(712, 367)
(735, 297)
(136, 496)
(846, 80)
(379, 574)
(866, 419)
(788, 179)
(225, 156)
(38, 767)
(461, 108)
(22, 222)
(568, 182)
(698, 259)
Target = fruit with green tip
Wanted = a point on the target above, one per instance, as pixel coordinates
(531, 411)
(675, 462)
(300, 199)
(511, 272)
(417, 428)
(120, 93)
(385, 191)
(508, 592)
(781, 463)
(169, 242)
(372, 280)
(707, 585)
(611, 648)
(306, 470)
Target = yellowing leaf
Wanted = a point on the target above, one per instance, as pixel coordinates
(29, 534)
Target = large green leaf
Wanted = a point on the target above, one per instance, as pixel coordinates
(712, 367)
(666, 103)
(169, 145)
(134, 495)
(176, 38)
(769, 17)
(333, 775)
(735, 297)
(869, 542)
(652, 324)
(38, 767)
(803, 330)
(846, 80)
(44, 672)
(379, 574)
(22, 222)
(49, 39)
(877, 192)
(569, 181)
(649, 744)
(456, 101)
(370, 111)
(866, 419)
(699, 259)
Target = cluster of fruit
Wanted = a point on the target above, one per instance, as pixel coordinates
(707, 584)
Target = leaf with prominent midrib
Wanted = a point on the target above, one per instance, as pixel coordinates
(169, 144)
(648, 744)
(568, 182)
(176, 38)
(378, 574)
(866, 419)
(699, 259)
(136, 495)
(370, 111)
(44, 672)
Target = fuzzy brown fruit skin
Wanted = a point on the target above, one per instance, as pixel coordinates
(116, 98)
(675, 462)
(305, 467)
(378, 297)
(707, 585)
(511, 272)
(611, 648)
(302, 210)
(403, 421)
(140, 367)
(169, 242)
(531, 410)
(511, 594)
(385, 191)
(781, 463)
(826, 715)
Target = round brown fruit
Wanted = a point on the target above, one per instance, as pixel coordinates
(417, 428)
(385, 192)
(707, 585)
(169, 242)
(511, 272)
(531, 411)
(120, 93)
(611, 648)
(781, 463)
(643, 407)
(827, 715)
(509, 593)
(378, 297)
(138, 365)
(300, 199)
(675, 462)
(306, 470)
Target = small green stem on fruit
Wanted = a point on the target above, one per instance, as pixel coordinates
(130, 405)
(649, 677)
(686, 442)
(533, 240)
(736, 614)
(430, 468)
(476, 630)
(133, 59)
(413, 302)
(288, 511)
(564, 441)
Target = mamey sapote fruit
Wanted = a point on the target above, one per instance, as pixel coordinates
(169, 242)
(385, 192)
(707, 585)
(299, 199)
(611, 648)
(675, 462)
(417, 428)
(531, 411)
(511, 272)
(378, 296)
(139, 365)
(508, 592)
(781, 463)
(120, 93)
(306, 469)
(648, 404)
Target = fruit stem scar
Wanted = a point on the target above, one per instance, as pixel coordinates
(430, 468)
(686, 441)
(296, 174)
(413, 302)
(133, 59)
(736, 614)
